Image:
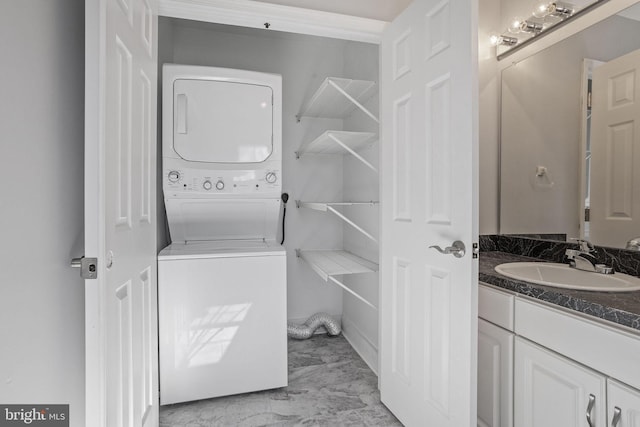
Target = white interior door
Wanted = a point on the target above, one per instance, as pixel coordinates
(429, 197)
(615, 150)
(120, 213)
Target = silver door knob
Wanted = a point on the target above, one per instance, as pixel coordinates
(456, 249)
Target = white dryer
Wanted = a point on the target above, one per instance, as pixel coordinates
(222, 281)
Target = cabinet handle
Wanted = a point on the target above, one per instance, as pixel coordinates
(617, 413)
(592, 402)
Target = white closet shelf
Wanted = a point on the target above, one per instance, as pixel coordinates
(330, 207)
(330, 263)
(340, 142)
(324, 206)
(336, 98)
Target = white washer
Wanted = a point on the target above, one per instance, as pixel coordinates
(222, 281)
(222, 319)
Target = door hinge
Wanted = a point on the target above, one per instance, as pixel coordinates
(88, 267)
(475, 250)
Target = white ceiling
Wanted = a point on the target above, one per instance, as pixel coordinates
(384, 10)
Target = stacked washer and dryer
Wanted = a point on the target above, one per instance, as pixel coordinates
(222, 280)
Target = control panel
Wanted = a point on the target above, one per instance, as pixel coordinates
(197, 181)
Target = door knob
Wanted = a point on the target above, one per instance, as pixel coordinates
(456, 249)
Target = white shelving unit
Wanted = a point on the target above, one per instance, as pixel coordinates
(331, 207)
(336, 98)
(330, 263)
(340, 142)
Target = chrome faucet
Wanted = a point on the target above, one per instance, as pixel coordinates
(584, 258)
(634, 244)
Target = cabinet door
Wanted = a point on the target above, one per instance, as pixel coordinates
(551, 390)
(495, 376)
(625, 401)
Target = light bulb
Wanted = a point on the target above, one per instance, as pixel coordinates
(543, 9)
(515, 25)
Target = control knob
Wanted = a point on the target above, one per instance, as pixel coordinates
(207, 185)
(271, 177)
(174, 176)
(220, 185)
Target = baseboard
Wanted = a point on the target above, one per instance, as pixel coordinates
(321, 329)
(361, 344)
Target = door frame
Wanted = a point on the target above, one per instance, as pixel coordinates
(95, 370)
(252, 14)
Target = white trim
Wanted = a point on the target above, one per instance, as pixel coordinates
(365, 348)
(95, 326)
(247, 13)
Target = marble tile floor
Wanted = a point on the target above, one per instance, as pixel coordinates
(329, 385)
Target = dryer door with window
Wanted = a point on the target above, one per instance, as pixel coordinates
(222, 122)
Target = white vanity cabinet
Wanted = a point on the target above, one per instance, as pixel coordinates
(562, 366)
(551, 390)
(623, 405)
(495, 375)
(495, 358)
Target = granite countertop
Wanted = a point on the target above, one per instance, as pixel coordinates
(622, 308)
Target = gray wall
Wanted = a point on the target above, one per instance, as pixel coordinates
(41, 208)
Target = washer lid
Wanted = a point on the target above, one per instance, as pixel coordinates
(222, 121)
(221, 249)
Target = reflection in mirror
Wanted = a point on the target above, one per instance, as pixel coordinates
(562, 156)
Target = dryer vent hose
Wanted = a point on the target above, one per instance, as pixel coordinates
(306, 330)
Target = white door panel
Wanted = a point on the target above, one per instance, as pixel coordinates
(495, 376)
(615, 195)
(429, 197)
(623, 405)
(120, 201)
(551, 390)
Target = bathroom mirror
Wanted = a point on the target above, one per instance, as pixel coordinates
(553, 165)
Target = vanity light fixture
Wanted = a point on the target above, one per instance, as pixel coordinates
(519, 25)
(562, 10)
(555, 9)
(502, 40)
(530, 27)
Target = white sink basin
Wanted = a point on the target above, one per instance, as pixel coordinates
(563, 276)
